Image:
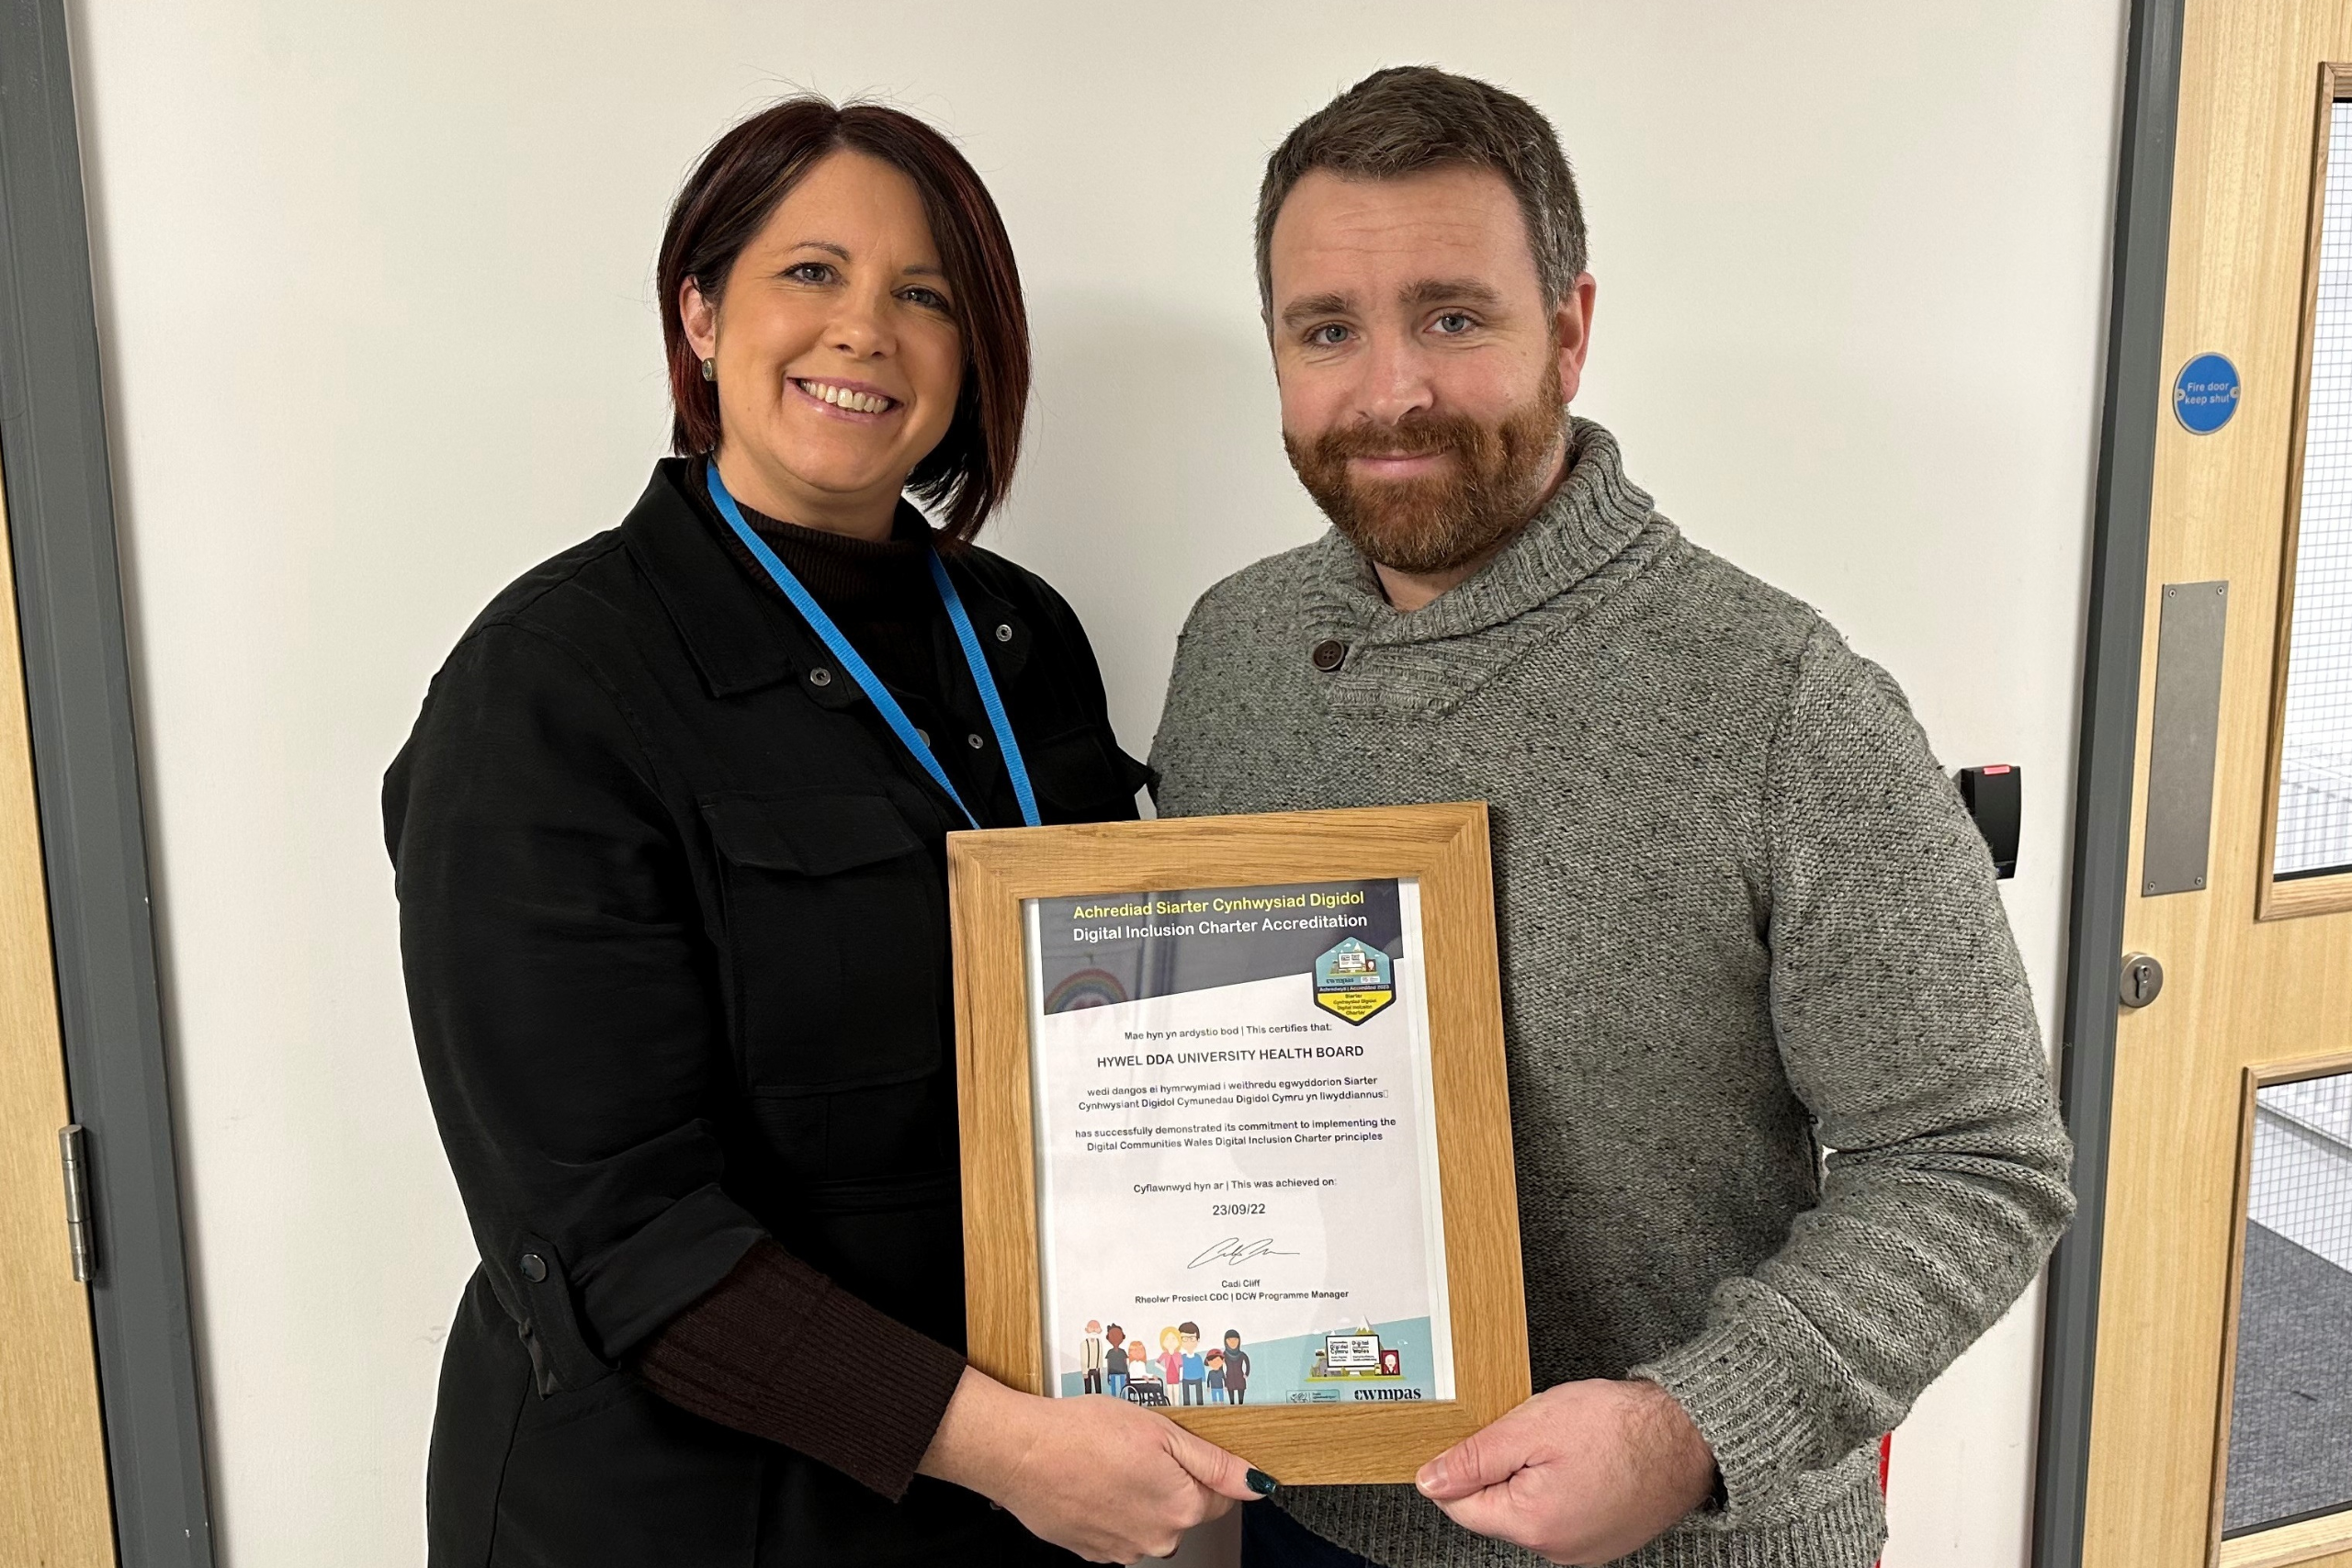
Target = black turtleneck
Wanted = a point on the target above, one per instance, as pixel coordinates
(880, 595)
(879, 591)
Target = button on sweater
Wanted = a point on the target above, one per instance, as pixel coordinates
(1780, 1109)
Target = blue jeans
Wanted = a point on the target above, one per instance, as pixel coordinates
(1118, 1385)
(1272, 1538)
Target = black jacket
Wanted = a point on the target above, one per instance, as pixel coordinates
(674, 918)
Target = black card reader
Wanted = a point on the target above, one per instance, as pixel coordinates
(1994, 796)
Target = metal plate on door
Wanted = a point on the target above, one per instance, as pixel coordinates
(2183, 736)
(2143, 977)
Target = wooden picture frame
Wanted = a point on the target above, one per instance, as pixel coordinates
(1445, 849)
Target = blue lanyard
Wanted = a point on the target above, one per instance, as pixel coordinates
(863, 674)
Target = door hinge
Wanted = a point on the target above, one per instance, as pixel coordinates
(71, 1154)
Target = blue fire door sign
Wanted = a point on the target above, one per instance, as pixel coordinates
(2205, 394)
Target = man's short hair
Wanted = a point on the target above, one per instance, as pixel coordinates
(1411, 118)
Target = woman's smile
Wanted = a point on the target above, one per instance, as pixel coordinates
(854, 401)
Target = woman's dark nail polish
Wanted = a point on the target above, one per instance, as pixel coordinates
(1260, 1482)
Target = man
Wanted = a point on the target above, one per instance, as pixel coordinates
(1090, 1354)
(1744, 917)
(1194, 1370)
(1116, 1360)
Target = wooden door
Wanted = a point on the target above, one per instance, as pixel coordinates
(54, 1509)
(2222, 1417)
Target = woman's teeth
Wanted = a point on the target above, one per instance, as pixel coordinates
(842, 397)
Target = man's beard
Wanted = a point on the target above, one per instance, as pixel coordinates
(1441, 520)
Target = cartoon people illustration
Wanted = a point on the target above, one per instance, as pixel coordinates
(1195, 1372)
(1115, 1364)
(1139, 1372)
(1216, 1362)
(1237, 1367)
(1171, 1358)
(1090, 1357)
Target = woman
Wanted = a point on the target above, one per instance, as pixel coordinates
(1236, 1368)
(672, 898)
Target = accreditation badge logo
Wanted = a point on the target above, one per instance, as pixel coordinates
(1355, 981)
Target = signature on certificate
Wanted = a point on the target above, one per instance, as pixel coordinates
(1233, 1249)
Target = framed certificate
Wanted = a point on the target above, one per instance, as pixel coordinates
(1237, 1128)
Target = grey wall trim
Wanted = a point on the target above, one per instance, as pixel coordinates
(2110, 707)
(85, 766)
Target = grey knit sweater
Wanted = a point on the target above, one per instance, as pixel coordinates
(1744, 919)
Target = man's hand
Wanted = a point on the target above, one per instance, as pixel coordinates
(1584, 1472)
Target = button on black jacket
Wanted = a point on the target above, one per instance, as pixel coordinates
(673, 917)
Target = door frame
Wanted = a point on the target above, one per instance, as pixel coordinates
(85, 768)
(2105, 751)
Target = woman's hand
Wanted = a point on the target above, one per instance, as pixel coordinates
(1100, 1477)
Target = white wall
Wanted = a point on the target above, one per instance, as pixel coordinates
(373, 284)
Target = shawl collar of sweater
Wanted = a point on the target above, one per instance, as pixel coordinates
(1598, 530)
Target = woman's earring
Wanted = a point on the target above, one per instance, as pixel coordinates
(710, 369)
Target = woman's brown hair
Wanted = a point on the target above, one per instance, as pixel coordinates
(736, 187)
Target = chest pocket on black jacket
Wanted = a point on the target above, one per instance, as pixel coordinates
(836, 938)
